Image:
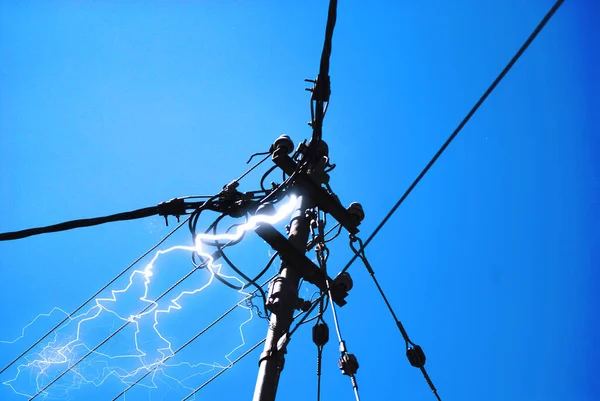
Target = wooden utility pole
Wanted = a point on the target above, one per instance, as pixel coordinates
(282, 301)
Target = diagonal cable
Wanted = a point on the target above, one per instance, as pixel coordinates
(460, 126)
(414, 352)
(95, 295)
(217, 320)
(289, 336)
(214, 256)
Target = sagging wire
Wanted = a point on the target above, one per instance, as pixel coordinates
(264, 177)
(68, 317)
(182, 347)
(414, 352)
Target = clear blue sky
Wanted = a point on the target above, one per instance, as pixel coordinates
(491, 263)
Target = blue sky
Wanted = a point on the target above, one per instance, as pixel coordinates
(491, 263)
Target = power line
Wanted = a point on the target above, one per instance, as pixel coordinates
(94, 296)
(289, 336)
(219, 373)
(175, 207)
(414, 353)
(217, 320)
(460, 126)
(347, 363)
(216, 275)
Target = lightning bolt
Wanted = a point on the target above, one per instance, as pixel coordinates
(63, 354)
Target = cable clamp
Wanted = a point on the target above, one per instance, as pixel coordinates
(348, 364)
(173, 207)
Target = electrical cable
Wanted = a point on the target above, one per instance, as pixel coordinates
(266, 268)
(415, 354)
(153, 303)
(255, 165)
(219, 373)
(322, 85)
(95, 295)
(69, 225)
(217, 320)
(264, 177)
(249, 281)
(348, 362)
(460, 126)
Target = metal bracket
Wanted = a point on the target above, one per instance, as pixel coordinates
(298, 260)
(318, 194)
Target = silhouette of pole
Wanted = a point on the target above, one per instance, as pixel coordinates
(282, 301)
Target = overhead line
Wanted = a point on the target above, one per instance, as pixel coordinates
(460, 126)
(181, 280)
(201, 332)
(95, 295)
(289, 336)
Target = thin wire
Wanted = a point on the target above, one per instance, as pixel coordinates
(217, 320)
(460, 126)
(361, 254)
(253, 167)
(319, 362)
(245, 354)
(216, 275)
(95, 294)
(219, 373)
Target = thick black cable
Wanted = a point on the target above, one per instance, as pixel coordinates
(254, 166)
(219, 373)
(195, 215)
(265, 175)
(460, 126)
(69, 225)
(217, 320)
(266, 268)
(249, 281)
(322, 89)
(154, 302)
(94, 296)
(326, 53)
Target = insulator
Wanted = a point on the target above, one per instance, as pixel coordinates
(266, 209)
(320, 334)
(343, 281)
(284, 142)
(416, 356)
(356, 211)
(348, 364)
(323, 148)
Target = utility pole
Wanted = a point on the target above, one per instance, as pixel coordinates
(283, 300)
